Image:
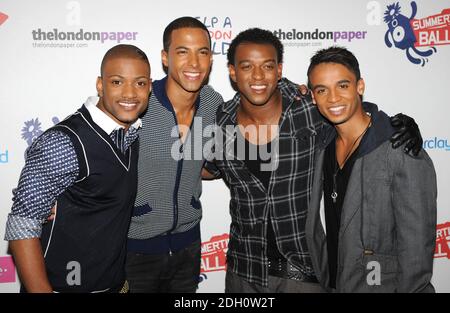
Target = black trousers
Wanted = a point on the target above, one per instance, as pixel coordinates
(236, 284)
(167, 273)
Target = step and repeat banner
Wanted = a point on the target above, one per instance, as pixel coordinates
(51, 50)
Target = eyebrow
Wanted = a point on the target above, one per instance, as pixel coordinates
(120, 76)
(339, 82)
(186, 48)
(266, 61)
(318, 86)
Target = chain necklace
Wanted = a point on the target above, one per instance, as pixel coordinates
(334, 194)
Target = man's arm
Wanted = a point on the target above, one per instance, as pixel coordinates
(51, 166)
(407, 131)
(292, 90)
(210, 171)
(414, 194)
(30, 264)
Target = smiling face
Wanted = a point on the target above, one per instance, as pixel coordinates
(124, 89)
(336, 92)
(256, 72)
(188, 59)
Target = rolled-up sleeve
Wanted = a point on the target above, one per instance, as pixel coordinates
(51, 166)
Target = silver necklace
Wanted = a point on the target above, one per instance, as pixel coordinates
(334, 194)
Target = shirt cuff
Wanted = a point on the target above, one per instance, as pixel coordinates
(19, 227)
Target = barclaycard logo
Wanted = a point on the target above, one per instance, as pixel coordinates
(436, 143)
(4, 157)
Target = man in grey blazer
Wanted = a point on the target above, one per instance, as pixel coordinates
(371, 222)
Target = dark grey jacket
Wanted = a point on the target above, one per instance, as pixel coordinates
(388, 216)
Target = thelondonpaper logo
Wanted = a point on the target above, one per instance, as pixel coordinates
(417, 36)
(7, 270)
(442, 241)
(3, 18)
(214, 254)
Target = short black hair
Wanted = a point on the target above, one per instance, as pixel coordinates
(335, 54)
(124, 51)
(182, 22)
(258, 36)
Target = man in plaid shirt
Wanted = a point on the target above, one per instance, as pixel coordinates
(265, 144)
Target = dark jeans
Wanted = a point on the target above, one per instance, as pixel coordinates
(166, 273)
(236, 284)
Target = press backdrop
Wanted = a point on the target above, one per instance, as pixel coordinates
(50, 53)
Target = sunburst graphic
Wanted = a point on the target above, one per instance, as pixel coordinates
(392, 12)
(31, 130)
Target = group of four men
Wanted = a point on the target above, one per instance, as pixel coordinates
(273, 149)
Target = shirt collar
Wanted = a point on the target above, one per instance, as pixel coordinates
(102, 119)
(159, 90)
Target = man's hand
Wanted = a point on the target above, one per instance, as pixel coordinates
(303, 89)
(207, 175)
(406, 131)
(51, 217)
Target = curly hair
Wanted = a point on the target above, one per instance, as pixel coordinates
(258, 36)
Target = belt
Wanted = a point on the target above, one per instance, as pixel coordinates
(281, 268)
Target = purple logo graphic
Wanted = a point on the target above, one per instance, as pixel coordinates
(33, 129)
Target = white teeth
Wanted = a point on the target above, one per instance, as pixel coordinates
(258, 87)
(336, 109)
(193, 75)
(127, 104)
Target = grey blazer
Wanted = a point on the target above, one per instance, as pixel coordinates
(388, 216)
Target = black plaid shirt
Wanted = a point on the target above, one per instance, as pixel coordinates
(287, 197)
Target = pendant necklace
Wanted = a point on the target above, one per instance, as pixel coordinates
(334, 194)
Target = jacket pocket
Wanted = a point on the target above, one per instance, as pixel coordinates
(196, 204)
(387, 263)
(141, 210)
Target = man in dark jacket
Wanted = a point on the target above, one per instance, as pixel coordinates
(372, 215)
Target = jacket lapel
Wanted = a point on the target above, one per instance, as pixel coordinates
(317, 241)
(352, 201)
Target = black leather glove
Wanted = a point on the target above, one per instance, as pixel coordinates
(406, 131)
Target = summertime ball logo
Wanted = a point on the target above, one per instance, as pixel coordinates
(410, 33)
(214, 255)
(442, 241)
(3, 18)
